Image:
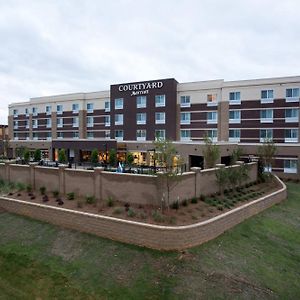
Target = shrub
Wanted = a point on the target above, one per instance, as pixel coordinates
(62, 157)
(194, 200)
(71, 196)
(43, 190)
(110, 202)
(90, 199)
(55, 194)
(184, 202)
(175, 205)
(94, 157)
(157, 216)
(28, 188)
(131, 213)
(117, 211)
(26, 156)
(20, 186)
(37, 155)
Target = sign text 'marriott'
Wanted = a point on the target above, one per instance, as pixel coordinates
(140, 88)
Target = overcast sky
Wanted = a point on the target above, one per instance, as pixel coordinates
(53, 47)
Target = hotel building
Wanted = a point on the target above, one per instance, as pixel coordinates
(129, 116)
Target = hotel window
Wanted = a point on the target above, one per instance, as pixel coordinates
(212, 100)
(89, 122)
(48, 136)
(48, 123)
(212, 117)
(16, 136)
(35, 136)
(266, 135)
(106, 121)
(290, 166)
(185, 118)
(60, 122)
(212, 134)
(90, 107)
(26, 124)
(27, 112)
(185, 135)
(90, 135)
(266, 116)
(75, 108)
(118, 119)
(160, 118)
(48, 110)
(119, 103)
(34, 123)
(160, 134)
(75, 122)
(234, 116)
(16, 125)
(34, 111)
(107, 106)
(141, 118)
(291, 135)
(75, 135)
(185, 101)
(235, 98)
(141, 101)
(292, 95)
(119, 135)
(141, 135)
(107, 134)
(59, 109)
(26, 136)
(60, 135)
(160, 100)
(234, 135)
(267, 96)
(15, 113)
(291, 115)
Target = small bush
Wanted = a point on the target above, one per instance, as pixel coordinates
(43, 190)
(20, 186)
(80, 204)
(175, 205)
(185, 203)
(194, 200)
(55, 194)
(157, 216)
(90, 199)
(117, 211)
(71, 196)
(28, 188)
(110, 202)
(131, 213)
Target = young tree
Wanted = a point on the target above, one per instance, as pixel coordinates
(266, 153)
(112, 159)
(233, 177)
(129, 158)
(243, 174)
(221, 178)
(26, 156)
(211, 153)
(37, 155)
(165, 153)
(94, 157)
(235, 156)
(62, 157)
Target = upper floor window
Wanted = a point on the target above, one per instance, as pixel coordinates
(48, 110)
(107, 134)
(60, 122)
(141, 118)
(26, 112)
(266, 135)
(185, 101)
(90, 107)
(16, 136)
(90, 135)
(160, 134)
(141, 135)
(212, 134)
(59, 109)
(15, 113)
(35, 135)
(292, 95)
(26, 124)
(75, 135)
(75, 108)
(291, 135)
(48, 136)
(48, 123)
(235, 98)
(291, 115)
(34, 111)
(234, 135)
(119, 119)
(75, 122)
(119, 103)
(291, 166)
(89, 122)
(119, 134)
(185, 135)
(267, 96)
(160, 118)
(160, 100)
(34, 123)
(107, 106)
(212, 117)
(60, 135)
(266, 116)
(234, 116)
(16, 124)
(185, 118)
(107, 121)
(212, 99)
(141, 101)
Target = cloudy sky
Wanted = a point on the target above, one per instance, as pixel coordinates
(53, 47)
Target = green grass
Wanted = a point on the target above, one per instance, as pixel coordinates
(258, 259)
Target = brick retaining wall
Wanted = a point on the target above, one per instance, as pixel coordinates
(148, 235)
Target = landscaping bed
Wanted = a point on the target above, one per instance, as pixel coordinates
(189, 211)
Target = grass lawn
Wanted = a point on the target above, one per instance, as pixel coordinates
(258, 259)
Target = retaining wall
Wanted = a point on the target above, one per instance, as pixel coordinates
(152, 236)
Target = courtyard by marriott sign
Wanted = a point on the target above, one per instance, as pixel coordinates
(140, 88)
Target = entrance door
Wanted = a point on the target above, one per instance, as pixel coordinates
(196, 161)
